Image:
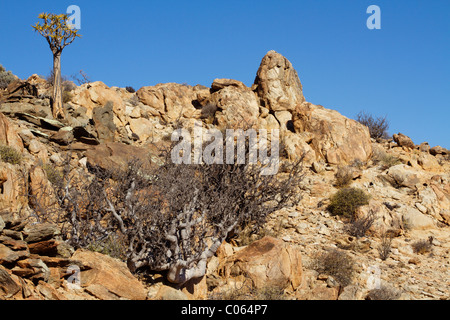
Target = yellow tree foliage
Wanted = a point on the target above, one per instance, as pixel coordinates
(59, 34)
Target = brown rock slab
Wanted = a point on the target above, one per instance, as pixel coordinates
(40, 232)
(110, 273)
(8, 287)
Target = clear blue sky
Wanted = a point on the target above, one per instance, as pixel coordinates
(401, 71)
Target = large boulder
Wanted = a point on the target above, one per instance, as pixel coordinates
(91, 95)
(105, 275)
(237, 104)
(13, 195)
(172, 101)
(277, 83)
(103, 118)
(266, 262)
(335, 138)
(8, 135)
(115, 155)
(403, 141)
(8, 287)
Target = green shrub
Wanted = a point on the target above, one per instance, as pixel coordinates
(53, 175)
(337, 264)
(10, 155)
(112, 246)
(346, 201)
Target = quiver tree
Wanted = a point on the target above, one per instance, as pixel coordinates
(59, 34)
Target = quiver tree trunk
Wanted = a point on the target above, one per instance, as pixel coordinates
(57, 108)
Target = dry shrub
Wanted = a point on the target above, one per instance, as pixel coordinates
(423, 246)
(384, 249)
(246, 291)
(377, 127)
(171, 217)
(361, 225)
(10, 155)
(383, 293)
(384, 159)
(343, 177)
(337, 264)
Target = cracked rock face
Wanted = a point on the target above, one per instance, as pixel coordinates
(277, 83)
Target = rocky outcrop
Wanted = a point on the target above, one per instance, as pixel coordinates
(277, 83)
(105, 127)
(36, 264)
(268, 262)
(334, 138)
(237, 105)
(9, 136)
(107, 278)
(403, 141)
(172, 101)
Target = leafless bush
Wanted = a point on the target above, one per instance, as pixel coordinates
(377, 127)
(337, 264)
(384, 249)
(361, 225)
(81, 78)
(343, 176)
(423, 246)
(173, 217)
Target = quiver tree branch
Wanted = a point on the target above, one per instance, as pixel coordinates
(173, 217)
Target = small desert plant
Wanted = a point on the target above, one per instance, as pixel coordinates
(343, 177)
(111, 246)
(246, 291)
(384, 249)
(269, 293)
(82, 78)
(384, 159)
(383, 293)
(337, 264)
(387, 160)
(10, 155)
(6, 77)
(359, 226)
(377, 127)
(67, 96)
(346, 201)
(423, 246)
(53, 175)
